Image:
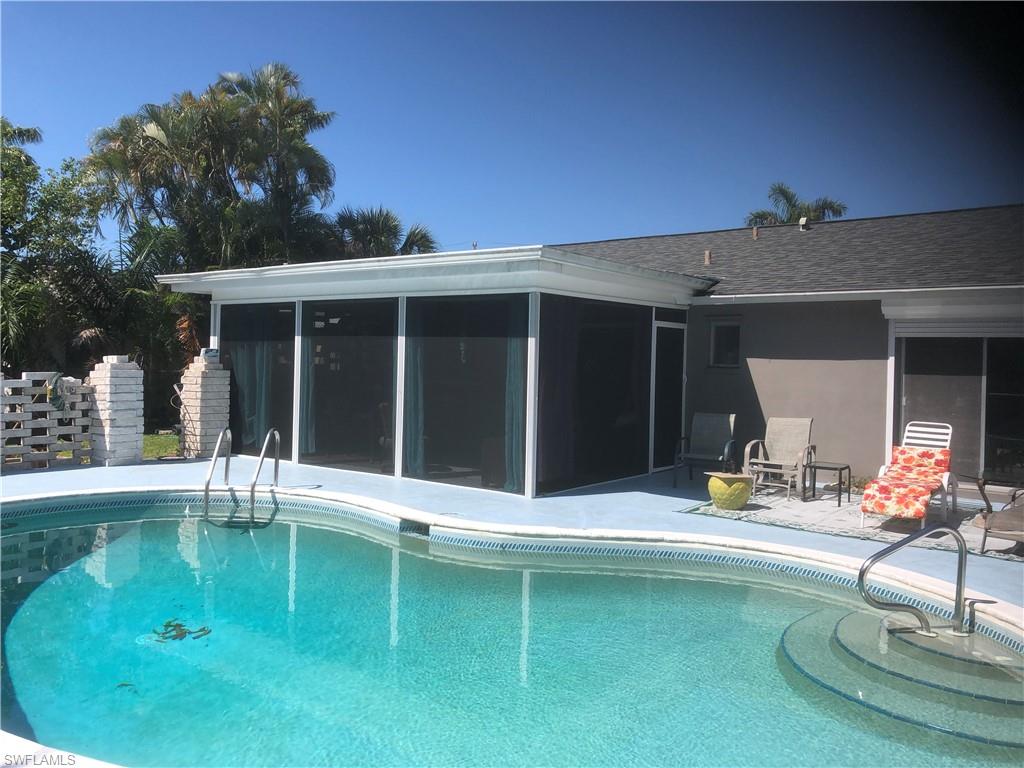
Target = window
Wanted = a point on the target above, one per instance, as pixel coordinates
(724, 343)
(593, 405)
(348, 380)
(465, 390)
(257, 344)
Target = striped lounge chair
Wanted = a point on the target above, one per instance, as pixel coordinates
(917, 470)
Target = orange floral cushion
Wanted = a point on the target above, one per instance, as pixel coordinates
(896, 498)
(911, 478)
(934, 459)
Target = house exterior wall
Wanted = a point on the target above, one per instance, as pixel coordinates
(826, 360)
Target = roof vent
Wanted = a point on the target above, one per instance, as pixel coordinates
(755, 233)
(803, 223)
(707, 258)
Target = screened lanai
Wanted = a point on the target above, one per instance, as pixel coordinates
(526, 370)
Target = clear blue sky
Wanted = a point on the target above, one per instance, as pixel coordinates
(516, 124)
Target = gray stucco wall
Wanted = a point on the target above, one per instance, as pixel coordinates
(825, 360)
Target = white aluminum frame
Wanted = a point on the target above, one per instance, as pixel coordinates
(655, 325)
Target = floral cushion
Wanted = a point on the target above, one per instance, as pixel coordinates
(905, 489)
(907, 457)
(896, 498)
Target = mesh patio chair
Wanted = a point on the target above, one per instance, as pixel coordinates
(1005, 523)
(709, 442)
(778, 460)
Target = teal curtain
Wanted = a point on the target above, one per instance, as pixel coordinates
(412, 440)
(515, 407)
(251, 366)
(307, 391)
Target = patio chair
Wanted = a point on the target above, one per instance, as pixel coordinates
(1005, 523)
(917, 470)
(779, 459)
(709, 442)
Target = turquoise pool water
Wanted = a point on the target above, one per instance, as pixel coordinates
(326, 648)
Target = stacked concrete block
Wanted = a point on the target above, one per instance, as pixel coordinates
(42, 426)
(117, 411)
(205, 405)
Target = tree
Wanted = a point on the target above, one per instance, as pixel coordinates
(787, 208)
(367, 232)
(18, 175)
(231, 169)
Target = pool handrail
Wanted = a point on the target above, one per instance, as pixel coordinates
(226, 432)
(961, 574)
(259, 465)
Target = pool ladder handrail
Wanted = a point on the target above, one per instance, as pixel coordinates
(259, 466)
(213, 465)
(960, 627)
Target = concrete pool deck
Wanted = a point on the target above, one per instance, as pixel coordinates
(644, 509)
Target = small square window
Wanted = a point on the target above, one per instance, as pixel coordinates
(725, 343)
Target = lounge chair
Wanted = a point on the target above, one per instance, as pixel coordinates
(779, 459)
(917, 470)
(709, 442)
(1005, 523)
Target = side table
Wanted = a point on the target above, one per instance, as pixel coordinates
(826, 466)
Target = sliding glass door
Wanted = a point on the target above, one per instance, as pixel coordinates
(257, 344)
(1004, 411)
(465, 390)
(977, 386)
(347, 391)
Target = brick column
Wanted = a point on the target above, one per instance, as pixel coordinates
(116, 430)
(205, 398)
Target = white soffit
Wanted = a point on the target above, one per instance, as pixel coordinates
(528, 268)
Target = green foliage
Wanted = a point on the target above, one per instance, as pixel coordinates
(368, 232)
(787, 208)
(223, 179)
(232, 170)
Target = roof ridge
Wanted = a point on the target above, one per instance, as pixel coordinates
(780, 226)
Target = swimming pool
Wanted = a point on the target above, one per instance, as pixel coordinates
(335, 638)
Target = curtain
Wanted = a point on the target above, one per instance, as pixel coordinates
(515, 398)
(251, 366)
(307, 394)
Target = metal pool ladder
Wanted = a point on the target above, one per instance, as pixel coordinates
(224, 438)
(277, 465)
(961, 605)
(213, 465)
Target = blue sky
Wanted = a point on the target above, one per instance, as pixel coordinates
(534, 123)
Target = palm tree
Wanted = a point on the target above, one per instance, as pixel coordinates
(18, 136)
(787, 208)
(368, 232)
(19, 175)
(277, 156)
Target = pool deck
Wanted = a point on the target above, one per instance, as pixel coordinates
(645, 508)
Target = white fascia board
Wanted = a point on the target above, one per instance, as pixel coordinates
(530, 268)
(980, 294)
(1006, 303)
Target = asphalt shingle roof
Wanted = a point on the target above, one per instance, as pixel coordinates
(979, 246)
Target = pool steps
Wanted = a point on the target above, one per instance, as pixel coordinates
(863, 660)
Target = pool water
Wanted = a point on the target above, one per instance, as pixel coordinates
(327, 648)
